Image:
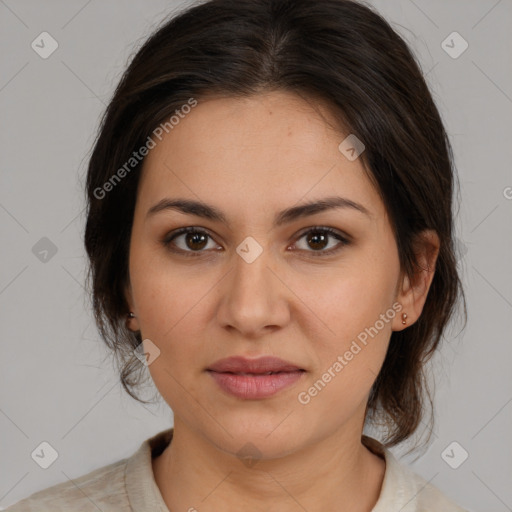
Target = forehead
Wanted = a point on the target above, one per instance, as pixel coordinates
(262, 152)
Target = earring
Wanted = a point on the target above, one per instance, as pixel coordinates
(404, 316)
(131, 315)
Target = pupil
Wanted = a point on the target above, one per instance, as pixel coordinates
(195, 238)
(314, 239)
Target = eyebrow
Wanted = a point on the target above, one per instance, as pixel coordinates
(206, 211)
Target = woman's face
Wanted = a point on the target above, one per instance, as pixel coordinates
(260, 283)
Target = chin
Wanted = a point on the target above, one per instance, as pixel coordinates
(258, 438)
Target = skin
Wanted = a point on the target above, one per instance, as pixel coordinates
(252, 158)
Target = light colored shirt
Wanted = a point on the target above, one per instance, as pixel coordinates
(129, 485)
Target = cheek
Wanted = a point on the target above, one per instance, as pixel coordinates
(171, 302)
(171, 305)
(349, 299)
(356, 314)
(349, 355)
(156, 286)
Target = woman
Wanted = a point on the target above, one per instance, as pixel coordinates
(270, 233)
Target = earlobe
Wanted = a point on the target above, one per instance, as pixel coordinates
(131, 322)
(414, 289)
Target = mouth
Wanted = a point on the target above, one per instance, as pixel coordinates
(256, 374)
(254, 379)
(261, 365)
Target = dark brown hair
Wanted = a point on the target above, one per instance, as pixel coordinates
(337, 51)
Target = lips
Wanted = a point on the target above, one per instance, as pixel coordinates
(262, 365)
(251, 379)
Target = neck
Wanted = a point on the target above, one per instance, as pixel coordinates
(336, 473)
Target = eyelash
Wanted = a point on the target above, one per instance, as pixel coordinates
(168, 239)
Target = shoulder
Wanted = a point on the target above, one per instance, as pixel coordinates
(403, 489)
(101, 489)
(429, 497)
(122, 486)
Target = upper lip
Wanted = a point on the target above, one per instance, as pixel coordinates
(239, 364)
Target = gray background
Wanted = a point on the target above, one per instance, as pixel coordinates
(58, 383)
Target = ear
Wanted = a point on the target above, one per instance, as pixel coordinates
(131, 323)
(413, 291)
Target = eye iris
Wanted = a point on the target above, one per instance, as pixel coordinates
(314, 238)
(196, 238)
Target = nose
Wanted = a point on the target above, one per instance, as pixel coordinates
(254, 300)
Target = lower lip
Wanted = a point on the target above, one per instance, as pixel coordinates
(253, 387)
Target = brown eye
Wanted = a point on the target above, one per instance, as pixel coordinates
(188, 240)
(195, 241)
(318, 239)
